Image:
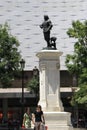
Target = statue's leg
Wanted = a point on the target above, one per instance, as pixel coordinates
(48, 44)
(47, 38)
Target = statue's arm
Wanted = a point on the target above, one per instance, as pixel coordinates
(41, 26)
(50, 25)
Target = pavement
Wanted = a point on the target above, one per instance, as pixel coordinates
(79, 128)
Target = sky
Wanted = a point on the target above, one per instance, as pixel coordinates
(25, 16)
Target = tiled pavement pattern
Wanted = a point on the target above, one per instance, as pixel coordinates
(25, 16)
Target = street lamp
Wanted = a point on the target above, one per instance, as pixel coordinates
(22, 63)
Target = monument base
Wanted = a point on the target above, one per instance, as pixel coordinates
(56, 108)
(58, 120)
(49, 66)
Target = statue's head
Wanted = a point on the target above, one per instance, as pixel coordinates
(46, 17)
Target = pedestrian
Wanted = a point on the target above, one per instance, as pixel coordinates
(27, 118)
(38, 118)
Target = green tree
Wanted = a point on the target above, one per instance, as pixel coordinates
(33, 85)
(77, 62)
(80, 97)
(9, 56)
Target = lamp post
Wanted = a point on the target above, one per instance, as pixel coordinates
(22, 63)
(76, 113)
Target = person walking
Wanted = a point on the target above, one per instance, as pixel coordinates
(27, 118)
(38, 118)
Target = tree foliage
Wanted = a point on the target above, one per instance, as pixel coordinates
(9, 56)
(80, 97)
(77, 62)
(33, 85)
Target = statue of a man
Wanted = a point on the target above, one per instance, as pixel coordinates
(46, 26)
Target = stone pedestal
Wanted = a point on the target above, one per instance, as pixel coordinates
(58, 120)
(49, 66)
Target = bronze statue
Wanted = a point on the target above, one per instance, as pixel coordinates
(47, 26)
